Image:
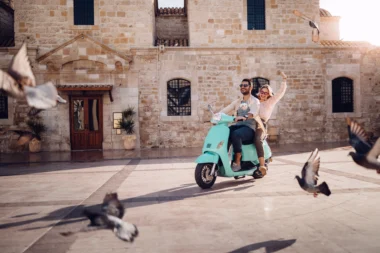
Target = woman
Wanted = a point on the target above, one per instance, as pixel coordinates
(267, 102)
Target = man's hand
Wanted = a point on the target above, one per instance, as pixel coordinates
(239, 118)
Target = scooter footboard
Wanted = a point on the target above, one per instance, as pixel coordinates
(208, 157)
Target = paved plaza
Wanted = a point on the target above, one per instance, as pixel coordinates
(38, 200)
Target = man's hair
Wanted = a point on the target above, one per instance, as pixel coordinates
(246, 80)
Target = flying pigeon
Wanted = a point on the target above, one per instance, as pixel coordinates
(312, 24)
(109, 218)
(366, 152)
(309, 179)
(34, 111)
(20, 82)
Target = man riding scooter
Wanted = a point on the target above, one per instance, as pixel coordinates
(246, 111)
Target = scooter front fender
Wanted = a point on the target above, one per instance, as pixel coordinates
(208, 157)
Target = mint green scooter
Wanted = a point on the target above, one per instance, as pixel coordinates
(215, 161)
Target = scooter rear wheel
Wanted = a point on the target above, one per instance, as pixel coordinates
(203, 177)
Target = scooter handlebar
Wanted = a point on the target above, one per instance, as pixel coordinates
(219, 118)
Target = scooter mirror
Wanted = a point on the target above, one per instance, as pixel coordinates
(210, 108)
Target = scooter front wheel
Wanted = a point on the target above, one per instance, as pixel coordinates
(203, 177)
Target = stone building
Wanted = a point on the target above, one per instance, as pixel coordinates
(170, 63)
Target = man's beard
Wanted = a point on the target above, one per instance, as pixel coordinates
(244, 93)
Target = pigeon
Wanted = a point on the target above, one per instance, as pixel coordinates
(309, 179)
(312, 24)
(366, 152)
(19, 82)
(109, 218)
(34, 111)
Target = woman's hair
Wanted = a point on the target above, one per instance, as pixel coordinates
(269, 89)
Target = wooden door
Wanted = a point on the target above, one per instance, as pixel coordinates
(86, 122)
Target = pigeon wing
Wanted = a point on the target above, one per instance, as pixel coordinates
(123, 230)
(310, 170)
(61, 100)
(10, 86)
(374, 152)
(34, 111)
(358, 138)
(43, 96)
(20, 67)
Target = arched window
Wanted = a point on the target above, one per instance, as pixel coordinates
(342, 95)
(256, 14)
(257, 82)
(3, 105)
(179, 97)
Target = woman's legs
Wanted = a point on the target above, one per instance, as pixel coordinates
(259, 139)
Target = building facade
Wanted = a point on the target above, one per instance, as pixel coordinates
(170, 63)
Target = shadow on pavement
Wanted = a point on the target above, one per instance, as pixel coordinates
(32, 168)
(73, 213)
(269, 246)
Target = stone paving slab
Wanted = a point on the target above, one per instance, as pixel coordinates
(37, 201)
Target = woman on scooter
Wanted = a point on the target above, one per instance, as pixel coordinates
(267, 103)
(245, 109)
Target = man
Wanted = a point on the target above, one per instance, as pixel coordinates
(245, 110)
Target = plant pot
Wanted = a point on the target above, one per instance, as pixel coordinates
(35, 145)
(129, 141)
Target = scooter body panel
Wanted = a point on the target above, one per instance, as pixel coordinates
(215, 150)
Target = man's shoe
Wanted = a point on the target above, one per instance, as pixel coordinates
(235, 167)
(257, 174)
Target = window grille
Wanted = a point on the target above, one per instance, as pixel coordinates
(7, 33)
(179, 97)
(342, 95)
(256, 14)
(83, 12)
(257, 82)
(3, 105)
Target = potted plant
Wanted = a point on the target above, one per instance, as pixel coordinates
(127, 124)
(37, 127)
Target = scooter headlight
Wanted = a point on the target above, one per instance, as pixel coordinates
(216, 118)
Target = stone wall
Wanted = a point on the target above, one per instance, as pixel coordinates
(172, 27)
(303, 115)
(80, 61)
(223, 23)
(120, 24)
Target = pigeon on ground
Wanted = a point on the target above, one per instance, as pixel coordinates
(309, 179)
(34, 111)
(109, 218)
(19, 82)
(366, 152)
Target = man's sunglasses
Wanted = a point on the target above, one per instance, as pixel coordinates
(244, 85)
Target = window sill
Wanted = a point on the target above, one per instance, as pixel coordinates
(192, 118)
(6, 122)
(341, 115)
(84, 27)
